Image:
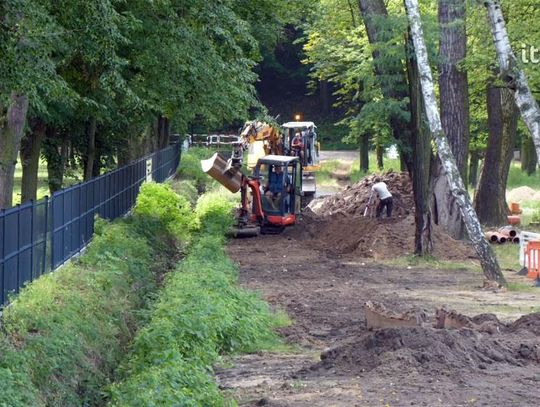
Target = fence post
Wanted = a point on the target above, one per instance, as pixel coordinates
(32, 240)
(52, 231)
(46, 234)
(2, 281)
(18, 247)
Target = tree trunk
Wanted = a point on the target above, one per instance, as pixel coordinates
(511, 74)
(165, 133)
(423, 243)
(490, 200)
(529, 161)
(364, 153)
(453, 89)
(91, 149)
(30, 153)
(473, 168)
(324, 97)
(12, 122)
(389, 70)
(453, 82)
(55, 159)
(379, 152)
(489, 263)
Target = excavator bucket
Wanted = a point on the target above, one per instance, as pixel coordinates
(218, 168)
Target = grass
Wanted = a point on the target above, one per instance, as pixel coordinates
(388, 164)
(518, 178)
(63, 336)
(42, 186)
(508, 256)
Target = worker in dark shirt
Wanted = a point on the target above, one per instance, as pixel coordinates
(274, 186)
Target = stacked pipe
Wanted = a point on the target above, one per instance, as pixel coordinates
(506, 234)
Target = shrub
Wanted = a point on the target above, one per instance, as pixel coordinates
(214, 212)
(190, 168)
(187, 189)
(160, 205)
(201, 313)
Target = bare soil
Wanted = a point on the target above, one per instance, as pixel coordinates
(322, 271)
(325, 268)
(338, 362)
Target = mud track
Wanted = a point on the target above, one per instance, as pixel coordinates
(338, 362)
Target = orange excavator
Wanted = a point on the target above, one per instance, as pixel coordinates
(271, 196)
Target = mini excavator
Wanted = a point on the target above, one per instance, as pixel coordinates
(271, 196)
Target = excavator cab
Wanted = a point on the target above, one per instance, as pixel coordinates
(281, 188)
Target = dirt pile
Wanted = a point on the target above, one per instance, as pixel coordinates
(353, 200)
(336, 224)
(433, 349)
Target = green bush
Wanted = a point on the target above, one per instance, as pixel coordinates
(215, 211)
(159, 204)
(187, 189)
(190, 168)
(201, 314)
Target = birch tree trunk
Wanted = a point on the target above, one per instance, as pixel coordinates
(12, 122)
(511, 74)
(423, 242)
(489, 263)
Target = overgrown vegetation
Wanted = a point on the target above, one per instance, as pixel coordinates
(191, 170)
(64, 334)
(200, 314)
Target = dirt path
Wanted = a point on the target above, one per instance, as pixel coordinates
(340, 363)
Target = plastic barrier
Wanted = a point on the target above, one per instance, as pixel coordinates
(532, 254)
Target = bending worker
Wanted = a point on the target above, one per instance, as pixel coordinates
(385, 197)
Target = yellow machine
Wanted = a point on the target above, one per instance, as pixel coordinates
(259, 139)
(280, 157)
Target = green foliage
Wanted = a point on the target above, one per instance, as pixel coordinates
(190, 168)
(65, 333)
(187, 189)
(215, 212)
(201, 313)
(168, 211)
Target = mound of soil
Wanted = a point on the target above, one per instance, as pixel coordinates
(433, 349)
(336, 224)
(353, 200)
(521, 194)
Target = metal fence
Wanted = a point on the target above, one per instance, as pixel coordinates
(38, 236)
